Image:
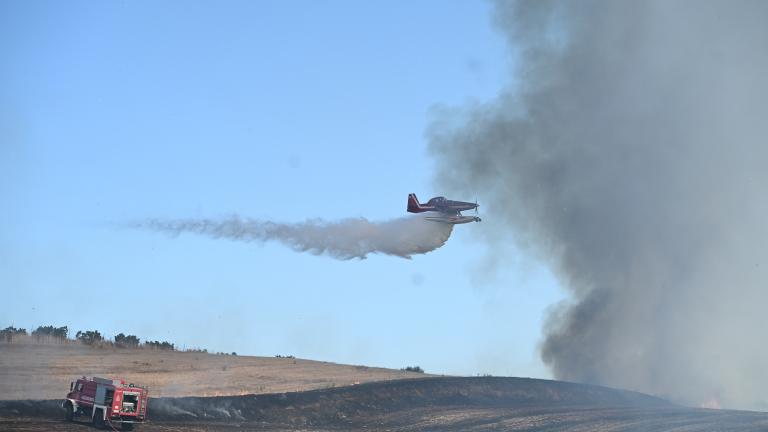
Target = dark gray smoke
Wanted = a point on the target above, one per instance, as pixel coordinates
(630, 152)
(345, 239)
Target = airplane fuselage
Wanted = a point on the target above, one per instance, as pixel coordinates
(438, 204)
(449, 210)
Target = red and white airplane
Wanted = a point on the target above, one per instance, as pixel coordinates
(450, 211)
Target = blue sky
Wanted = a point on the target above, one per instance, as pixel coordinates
(120, 111)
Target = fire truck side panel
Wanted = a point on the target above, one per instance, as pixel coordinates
(111, 400)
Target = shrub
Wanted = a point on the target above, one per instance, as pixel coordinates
(160, 345)
(413, 369)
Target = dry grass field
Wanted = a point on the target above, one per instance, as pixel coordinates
(30, 370)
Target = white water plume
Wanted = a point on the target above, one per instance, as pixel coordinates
(345, 239)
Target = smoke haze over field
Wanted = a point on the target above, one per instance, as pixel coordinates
(345, 239)
(632, 156)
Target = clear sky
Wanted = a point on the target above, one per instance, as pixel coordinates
(124, 110)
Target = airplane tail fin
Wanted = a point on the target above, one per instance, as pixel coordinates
(413, 204)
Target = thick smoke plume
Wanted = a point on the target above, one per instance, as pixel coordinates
(345, 239)
(631, 153)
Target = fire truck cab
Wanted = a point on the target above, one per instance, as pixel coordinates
(106, 401)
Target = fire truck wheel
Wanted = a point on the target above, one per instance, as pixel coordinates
(98, 418)
(69, 413)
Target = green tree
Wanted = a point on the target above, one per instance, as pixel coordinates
(8, 333)
(129, 341)
(51, 331)
(89, 337)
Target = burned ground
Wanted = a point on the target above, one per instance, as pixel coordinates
(205, 392)
(430, 404)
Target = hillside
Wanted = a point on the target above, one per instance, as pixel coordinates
(43, 371)
(206, 392)
(418, 405)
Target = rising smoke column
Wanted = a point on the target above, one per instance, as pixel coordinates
(345, 239)
(631, 154)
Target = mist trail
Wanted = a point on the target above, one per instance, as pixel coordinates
(345, 239)
(631, 155)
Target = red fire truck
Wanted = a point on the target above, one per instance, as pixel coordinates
(107, 401)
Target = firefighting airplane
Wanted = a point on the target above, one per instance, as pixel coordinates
(450, 211)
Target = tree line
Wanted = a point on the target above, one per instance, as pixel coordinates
(87, 337)
(45, 334)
